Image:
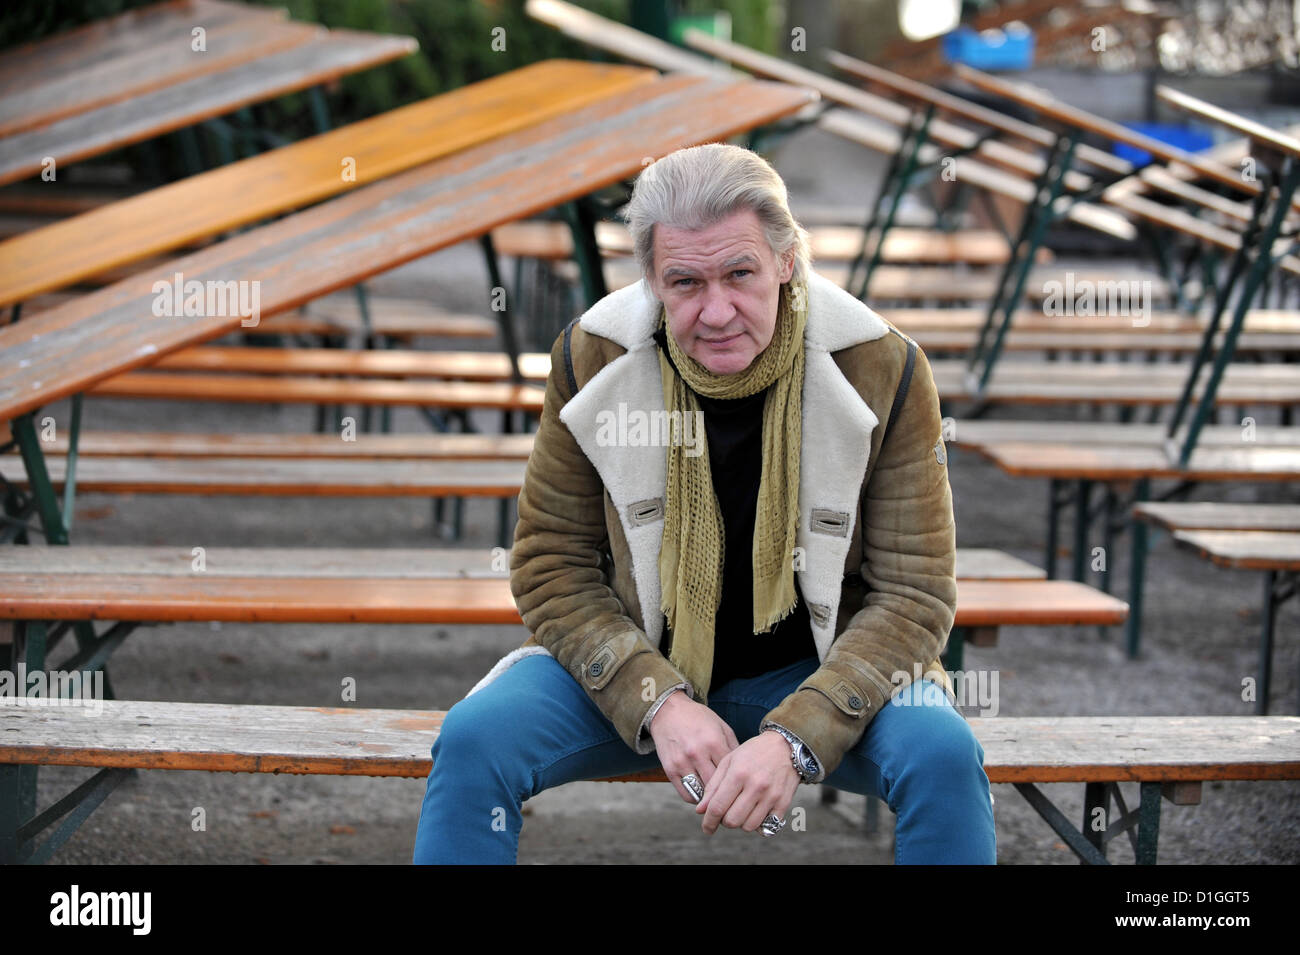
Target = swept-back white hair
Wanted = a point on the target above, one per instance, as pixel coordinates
(697, 187)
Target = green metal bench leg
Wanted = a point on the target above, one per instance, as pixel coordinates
(1081, 522)
(1264, 263)
(1137, 571)
(17, 832)
(918, 140)
(586, 251)
(1071, 836)
(954, 655)
(1054, 505)
(1096, 796)
(1149, 824)
(38, 477)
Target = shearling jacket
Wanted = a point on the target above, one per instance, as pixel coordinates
(876, 540)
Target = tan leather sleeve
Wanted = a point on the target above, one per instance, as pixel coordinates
(558, 582)
(910, 557)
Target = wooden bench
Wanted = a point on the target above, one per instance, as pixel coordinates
(184, 444)
(128, 56)
(1246, 536)
(1113, 383)
(302, 173)
(1169, 757)
(1125, 459)
(554, 241)
(390, 317)
(371, 363)
(375, 586)
(333, 245)
(318, 57)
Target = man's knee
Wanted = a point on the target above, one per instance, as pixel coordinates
(930, 733)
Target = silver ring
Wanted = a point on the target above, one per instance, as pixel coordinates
(772, 825)
(693, 786)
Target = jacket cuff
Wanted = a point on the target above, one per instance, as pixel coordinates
(644, 741)
(625, 676)
(829, 712)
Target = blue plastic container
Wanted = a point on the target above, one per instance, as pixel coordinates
(1183, 137)
(991, 50)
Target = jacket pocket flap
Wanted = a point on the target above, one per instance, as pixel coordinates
(600, 667)
(847, 698)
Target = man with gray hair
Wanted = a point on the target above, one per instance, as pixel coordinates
(750, 617)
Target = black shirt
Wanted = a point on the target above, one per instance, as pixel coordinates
(735, 434)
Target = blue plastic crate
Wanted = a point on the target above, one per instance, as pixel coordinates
(990, 50)
(1184, 137)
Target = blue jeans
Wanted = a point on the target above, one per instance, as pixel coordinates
(535, 728)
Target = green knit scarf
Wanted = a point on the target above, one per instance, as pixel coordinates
(692, 555)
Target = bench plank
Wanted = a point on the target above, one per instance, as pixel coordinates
(208, 596)
(308, 562)
(1202, 515)
(1029, 382)
(340, 741)
(180, 444)
(973, 563)
(979, 563)
(398, 363)
(291, 389)
(380, 226)
(308, 477)
(1246, 550)
(299, 174)
(231, 38)
(1131, 462)
(323, 58)
(971, 433)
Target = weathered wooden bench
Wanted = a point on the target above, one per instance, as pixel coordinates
(258, 188)
(310, 57)
(1113, 383)
(554, 241)
(372, 363)
(1125, 460)
(396, 318)
(1246, 536)
(1168, 756)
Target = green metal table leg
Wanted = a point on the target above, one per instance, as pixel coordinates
(38, 477)
(582, 223)
(1053, 525)
(504, 319)
(1081, 505)
(954, 655)
(918, 140)
(1096, 796)
(1149, 825)
(1137, 571)
(1071, 836)
(70, 465)
(1264, 263)
(1047, 189)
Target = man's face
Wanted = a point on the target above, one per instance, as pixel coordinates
(720, 286)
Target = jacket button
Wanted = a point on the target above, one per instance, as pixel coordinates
(855, 702)
(596, 669)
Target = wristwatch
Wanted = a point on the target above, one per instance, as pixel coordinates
(805, 763)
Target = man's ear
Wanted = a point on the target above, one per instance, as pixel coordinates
(787, 267)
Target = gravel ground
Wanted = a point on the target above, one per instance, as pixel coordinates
(1200, 635)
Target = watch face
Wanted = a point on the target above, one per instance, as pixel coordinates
(807, 761)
